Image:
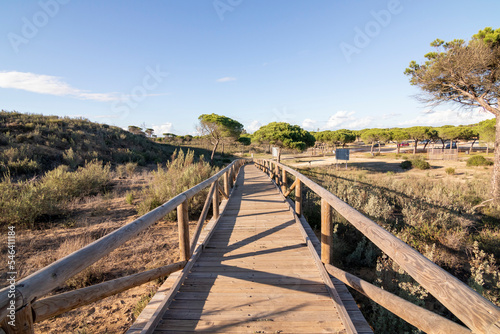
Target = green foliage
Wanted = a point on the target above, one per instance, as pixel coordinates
(245, 140)
(479, 160)
(27, 202)
(339, 137)
(406, 164)
(420, 163)
(177, 176)
(32, 144)
(450, 171)
(218, 126)
(284, 135)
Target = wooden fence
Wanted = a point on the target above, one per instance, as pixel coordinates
(26, 307)
(477, 313)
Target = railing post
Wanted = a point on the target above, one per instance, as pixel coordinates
(183, 226)
(298, 198)
(226, 183)
(215, 201)
(326, 232)
(23, 323)
(283, 181)
(276, 174)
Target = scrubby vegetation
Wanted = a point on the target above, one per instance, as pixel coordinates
(479, 160)
(176, 176)
(33, 144)
(441, 218)
(417, 162)
(25, 202)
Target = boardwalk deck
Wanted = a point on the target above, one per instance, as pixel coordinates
(257, 275)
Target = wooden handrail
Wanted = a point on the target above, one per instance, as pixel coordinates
(48, 278)
(472, 309)
(419, 317)
(50, 307)
(202, 218)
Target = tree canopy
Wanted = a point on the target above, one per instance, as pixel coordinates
(219, 127)
(467, 74)
(284, 135)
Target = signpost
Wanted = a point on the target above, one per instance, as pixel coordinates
(342, 154)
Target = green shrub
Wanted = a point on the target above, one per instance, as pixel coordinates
(479, 160)
(450, 171)
(420, 163)
(406, 164)
(25, 202)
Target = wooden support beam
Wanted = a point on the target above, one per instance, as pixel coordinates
(64, 302)
(326, 232)
(298, 197)
(215, 201)
(419, 317)
(292, 187)
(283, 181)
(223, 193)
(202, 218)
(226, 184)
(22, 324)
(277, 175)
(183, 227)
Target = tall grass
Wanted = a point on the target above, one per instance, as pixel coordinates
(25, 203)
(178, 175)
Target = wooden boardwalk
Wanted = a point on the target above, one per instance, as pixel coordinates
(257, 274)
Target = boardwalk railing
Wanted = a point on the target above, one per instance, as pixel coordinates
(20, 306)
(477, 313)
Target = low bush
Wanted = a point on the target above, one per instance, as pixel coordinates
(24, 203)
(479, 160)
(420, 163)
(406, 164)
(450, 171)
(180, 174)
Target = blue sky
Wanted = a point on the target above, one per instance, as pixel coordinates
(319, 64)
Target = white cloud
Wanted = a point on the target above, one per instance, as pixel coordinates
(254, 126)
(360, 123)
(339, 118)
(226, 79)
(309, 124)
(448, 117)
(163, 128)
(46, 84)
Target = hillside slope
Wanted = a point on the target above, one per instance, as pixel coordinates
(31, 144)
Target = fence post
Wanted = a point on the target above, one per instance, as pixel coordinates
(298, 198)
(326, 232)
(283, 181)
(215, 200)
(23, 324)
(183, 225)
(226, 183)
(277, 174)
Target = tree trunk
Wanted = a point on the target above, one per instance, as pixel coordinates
(379, 148)
(415, 147)
(495, 182)
(399, 147)
(472, 145)
(213, 152)
(371, 150)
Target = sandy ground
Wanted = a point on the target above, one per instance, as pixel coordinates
(92, 219)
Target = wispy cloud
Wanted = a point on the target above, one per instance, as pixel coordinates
(447, 117)
(254, 126)
(51, 85)
(226, 79)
